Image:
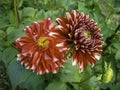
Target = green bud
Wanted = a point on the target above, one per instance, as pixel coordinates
(108, 75)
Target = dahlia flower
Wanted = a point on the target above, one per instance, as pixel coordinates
(38, 51)
(77, 30)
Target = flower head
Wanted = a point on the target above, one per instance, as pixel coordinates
(38, 51)
(83, 33)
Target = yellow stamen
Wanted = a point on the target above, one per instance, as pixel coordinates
(43, 42)
(87, 34)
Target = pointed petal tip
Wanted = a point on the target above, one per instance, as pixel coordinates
(54, 72)
(47, 71)
(21, 63)
(35, 22)
(97, 56)
(27, 26)
(17, 39)
(68, 15)
(25, 29)
(49, 18)
(59, 26)
(74, 62)
(33, 67)
(57, 19)
(93, 65)
(18, 59)
(40, 72)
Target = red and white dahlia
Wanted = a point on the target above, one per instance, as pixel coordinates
(83, 34)
(38, 51)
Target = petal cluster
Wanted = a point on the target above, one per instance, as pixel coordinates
(82, 33)
(38, 51)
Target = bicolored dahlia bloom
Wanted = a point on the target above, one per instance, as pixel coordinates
(38, 51)
(77, 30)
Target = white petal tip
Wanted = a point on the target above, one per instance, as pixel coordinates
(35, 22)
(68, 15)
(60, 45)
(59, 26)
(93, 65)
(33, 67)
(55, 59)
(17, 39)
(97, 56)
(26, 64)
(27, 67)
(47, 71)
(27, 26)
(81, 70)
(40, 72)
(57, 19)
(62, 66)
(74, 63)
(22, 63)
(49, 18)
(24, 29)
(18, 59)
(54, 71)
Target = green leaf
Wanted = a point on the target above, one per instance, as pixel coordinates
(81, 7)
(105, 6)
(117, 56)
(28, 21)
(27, 81)
(104, 86)
(15, 72)
(2, 34)
(93, 82)
(29, 12)
(115, 86)
(56, 85)
(116, 45)
(14, 33)
(9, 55)
(23, 77)
(3, 2)
(40, 14)
(0, 55)
(1, 48)
(20, 3)
(4, 22)
(48, 14)
(70, 73)
(11, 17)
(4, 43)
(86, 86)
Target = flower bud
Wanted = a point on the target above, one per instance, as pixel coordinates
(108, 75)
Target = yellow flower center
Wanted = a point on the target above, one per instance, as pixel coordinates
(87, 34)
(43, 42)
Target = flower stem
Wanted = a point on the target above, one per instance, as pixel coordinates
(16, 12)
(83, 80)
(108, 40)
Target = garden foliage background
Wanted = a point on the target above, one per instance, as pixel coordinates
(15, 15)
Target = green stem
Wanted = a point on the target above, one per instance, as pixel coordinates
(108, 40)
(37, 4)
(83, 80)
(16, 12)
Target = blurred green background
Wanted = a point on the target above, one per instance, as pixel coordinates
(15, 15)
